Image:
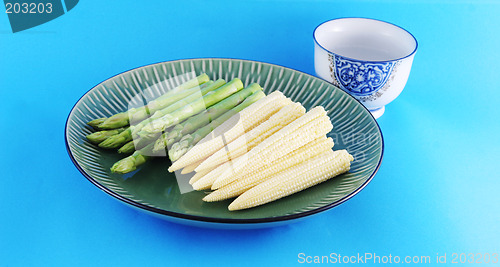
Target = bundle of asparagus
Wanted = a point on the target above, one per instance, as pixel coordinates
(175, 121)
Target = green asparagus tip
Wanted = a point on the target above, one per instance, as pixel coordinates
(173, 134)
(156, 126)
(178, 149)
(159, 145)
(144, 140)
(115, 121)
(112, 142)
(95, 123)
(142, 135)
(100, 136)
(125, 165)
(128, 148)
(170, 141)
(95, 138)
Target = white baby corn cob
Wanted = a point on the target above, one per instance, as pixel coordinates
(303, 130)
(208, 178)
(249, 140)
(197, 176)
(233, 128)
(302, 176)
(190, 168)
(250, 180)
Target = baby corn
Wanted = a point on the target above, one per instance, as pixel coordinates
(191, 167)
(302, 154)
(207, 180)
(302, 176)
(249, 140)
(303, 130)
(197, 176)
(233, 128)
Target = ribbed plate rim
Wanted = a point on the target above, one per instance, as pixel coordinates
(215, 219)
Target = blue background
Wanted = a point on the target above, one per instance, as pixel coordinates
(437, 190)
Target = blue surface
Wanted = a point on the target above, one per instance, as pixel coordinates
(436, 192)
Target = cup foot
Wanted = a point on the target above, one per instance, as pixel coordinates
(377, 113)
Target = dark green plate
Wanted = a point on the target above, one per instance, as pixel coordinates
(156, 191)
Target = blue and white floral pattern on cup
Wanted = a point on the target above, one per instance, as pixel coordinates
(360, 78)
(370, 59)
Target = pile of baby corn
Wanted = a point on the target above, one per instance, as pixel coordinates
(267, 151)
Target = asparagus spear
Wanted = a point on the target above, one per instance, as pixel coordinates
(117, 140)
(159, 125)
(122, 119)
(133, 161)
(186, 142)
(179, 104)
(100, 136)
(141, 141)
(205, 117)
(128, 148)
(130, 163)
(164, 141)
(95, 123)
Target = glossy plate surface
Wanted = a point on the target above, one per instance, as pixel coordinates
(156, 191)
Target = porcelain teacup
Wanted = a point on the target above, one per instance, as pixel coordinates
(370, 59)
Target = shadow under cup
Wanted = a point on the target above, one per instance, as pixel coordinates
(369, 59)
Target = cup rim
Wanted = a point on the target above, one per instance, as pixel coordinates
(361, 60)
